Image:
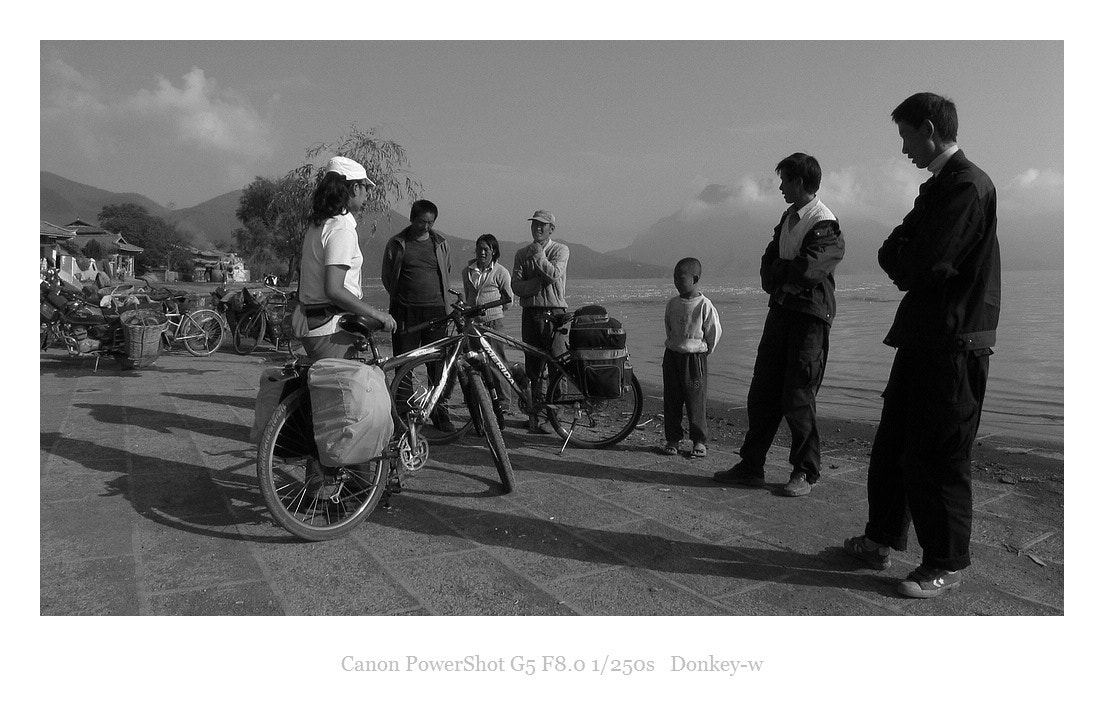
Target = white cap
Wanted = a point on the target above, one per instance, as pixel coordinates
(349, 169)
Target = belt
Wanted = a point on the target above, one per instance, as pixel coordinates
(320, 310)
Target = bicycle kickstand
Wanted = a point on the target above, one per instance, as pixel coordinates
(569, 432)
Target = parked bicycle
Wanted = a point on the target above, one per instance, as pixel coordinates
(269, 319)
(201, 330)
(320, 503)
(576, 410)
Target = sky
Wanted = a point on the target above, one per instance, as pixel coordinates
(611, 136)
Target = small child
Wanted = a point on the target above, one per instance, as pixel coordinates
(693, 329)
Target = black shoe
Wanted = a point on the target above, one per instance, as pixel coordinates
(873, 558)
(741, 474)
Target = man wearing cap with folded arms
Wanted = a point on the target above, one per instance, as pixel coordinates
(540, 282)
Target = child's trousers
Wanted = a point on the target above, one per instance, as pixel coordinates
(685, 377)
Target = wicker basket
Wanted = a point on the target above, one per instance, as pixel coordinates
(142, 331)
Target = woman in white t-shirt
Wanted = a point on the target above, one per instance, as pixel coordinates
(329, 278)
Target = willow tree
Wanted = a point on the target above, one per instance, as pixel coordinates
(274, 212)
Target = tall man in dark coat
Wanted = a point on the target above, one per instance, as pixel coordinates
(946, 259)
(797, 271)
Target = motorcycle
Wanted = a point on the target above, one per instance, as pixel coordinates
(83, 328)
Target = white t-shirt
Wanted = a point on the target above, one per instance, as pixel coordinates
(692, 324)
(332, 244)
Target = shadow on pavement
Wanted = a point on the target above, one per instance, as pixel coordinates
(828, 568)
(475, 454)
(173, 493)
(162, 420)
(247, 402)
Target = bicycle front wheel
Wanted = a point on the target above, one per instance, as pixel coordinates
(495, 442)
(308, 500)
(410, 389)
(202, 332)
(250, 331)
(593, 422)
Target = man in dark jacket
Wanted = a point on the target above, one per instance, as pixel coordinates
(415, 273)
(946, 259)
(797, 271)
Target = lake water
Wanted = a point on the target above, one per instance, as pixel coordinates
(1024, 398)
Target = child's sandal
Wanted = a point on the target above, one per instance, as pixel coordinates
(670, 449)
(699, 450)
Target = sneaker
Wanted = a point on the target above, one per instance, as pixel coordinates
(741, 474)
(873, 557)
(798, 486)
(928, 582)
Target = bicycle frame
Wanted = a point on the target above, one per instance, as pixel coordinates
(452, 348)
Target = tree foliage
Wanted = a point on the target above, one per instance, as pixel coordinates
(93, 250)
(274, 211)
(161, 241)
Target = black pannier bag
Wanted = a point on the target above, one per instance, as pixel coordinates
(597, 344)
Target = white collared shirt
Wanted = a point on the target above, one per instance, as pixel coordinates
(941, 161)
(789, 240)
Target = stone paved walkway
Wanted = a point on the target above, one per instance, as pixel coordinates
(149, 506)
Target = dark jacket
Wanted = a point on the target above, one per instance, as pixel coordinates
(805, 283)
(946, 259)
(393, 260)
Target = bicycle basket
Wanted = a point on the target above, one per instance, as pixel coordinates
(142, 331)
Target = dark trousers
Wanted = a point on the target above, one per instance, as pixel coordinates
(402, 342)
(503, 387)
(685, 384)
(538, 331)
(789, 367)
(920, 462)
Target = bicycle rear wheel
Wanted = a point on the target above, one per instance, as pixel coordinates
(593, 422)
(308, 500)
(481, 398)
(250, 331)
(202, 332)
(410, 388)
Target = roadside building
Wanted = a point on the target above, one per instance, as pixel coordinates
(118, 254)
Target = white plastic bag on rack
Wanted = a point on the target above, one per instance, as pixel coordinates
(351, 409)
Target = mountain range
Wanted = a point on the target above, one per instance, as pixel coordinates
(62, 200)
(716, 227)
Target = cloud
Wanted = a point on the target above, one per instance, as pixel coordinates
(1033, 191)
(197, 123)
(729, 223)
(202, 116)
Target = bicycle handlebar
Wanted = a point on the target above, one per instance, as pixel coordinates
(458, 312)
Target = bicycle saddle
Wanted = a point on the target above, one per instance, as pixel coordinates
(358, 324)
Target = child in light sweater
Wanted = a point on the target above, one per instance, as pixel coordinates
(693, 329)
